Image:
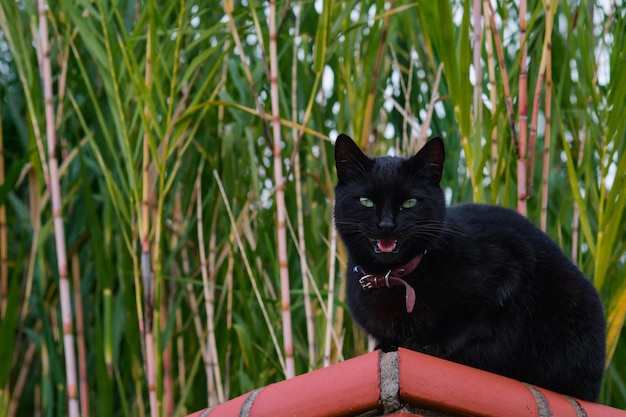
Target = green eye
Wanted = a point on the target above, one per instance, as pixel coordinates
(366, 202)
(409, 203)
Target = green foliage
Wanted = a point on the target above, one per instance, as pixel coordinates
(170, 75)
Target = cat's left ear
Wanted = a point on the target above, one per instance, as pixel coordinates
(350, 161)
(431, 158)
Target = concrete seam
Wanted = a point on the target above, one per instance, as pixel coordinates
(247, 404)
(542, 403)
(389, 381)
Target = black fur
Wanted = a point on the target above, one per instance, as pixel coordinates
(492, 290)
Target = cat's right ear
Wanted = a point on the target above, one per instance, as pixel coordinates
(430, 158)
(350, 161)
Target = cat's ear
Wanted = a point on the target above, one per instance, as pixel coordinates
(431, 157)
(350, 161)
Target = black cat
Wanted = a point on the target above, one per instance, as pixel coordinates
(475, 284)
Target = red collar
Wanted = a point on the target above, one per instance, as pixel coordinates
(392, 278)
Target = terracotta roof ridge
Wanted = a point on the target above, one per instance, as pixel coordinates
(404, 383)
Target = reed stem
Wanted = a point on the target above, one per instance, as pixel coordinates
(80, 338)
(281, 210)
(214, 376)
(522, 154)
(546, 146)
(505, 79)
(476, 49)
(493, 90)
(55, 198)
(369, 106)
(306, 290)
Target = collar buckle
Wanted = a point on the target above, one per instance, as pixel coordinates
(365, 281)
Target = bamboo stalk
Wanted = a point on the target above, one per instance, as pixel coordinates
(180, 354)
(227, 252)
(546, 51)
(194, 309)
(493, 90)
(306, 291)
(214, 377)
(546, 145)
(275, 137)
(522, 161)
(545, 56)
(168, 378)
(80, 339)
(178, 229)
(55, 198)
(212, 267)
(228, 287)
(280, 198)
(369, 106)
(505, 79)
(332, 256)
(146, 261)
(476, 49)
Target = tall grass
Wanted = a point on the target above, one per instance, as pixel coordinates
(196, 177)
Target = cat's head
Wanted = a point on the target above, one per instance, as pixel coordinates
(388, 209)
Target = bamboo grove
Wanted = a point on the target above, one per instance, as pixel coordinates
(166, 177)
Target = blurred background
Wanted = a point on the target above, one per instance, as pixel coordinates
(167, 173)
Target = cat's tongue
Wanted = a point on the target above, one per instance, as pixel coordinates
(386, 245)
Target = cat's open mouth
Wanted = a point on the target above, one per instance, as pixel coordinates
(385, 245)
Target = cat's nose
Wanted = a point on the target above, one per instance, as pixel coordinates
(386, 224)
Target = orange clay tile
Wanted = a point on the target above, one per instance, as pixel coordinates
(599, 410)
(395, 383)
(560, 405)
(447, 386)
(227, 409)
(350, 387)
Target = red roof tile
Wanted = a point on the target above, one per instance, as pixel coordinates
(350, 387)
(404, 384)
(448, 386)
